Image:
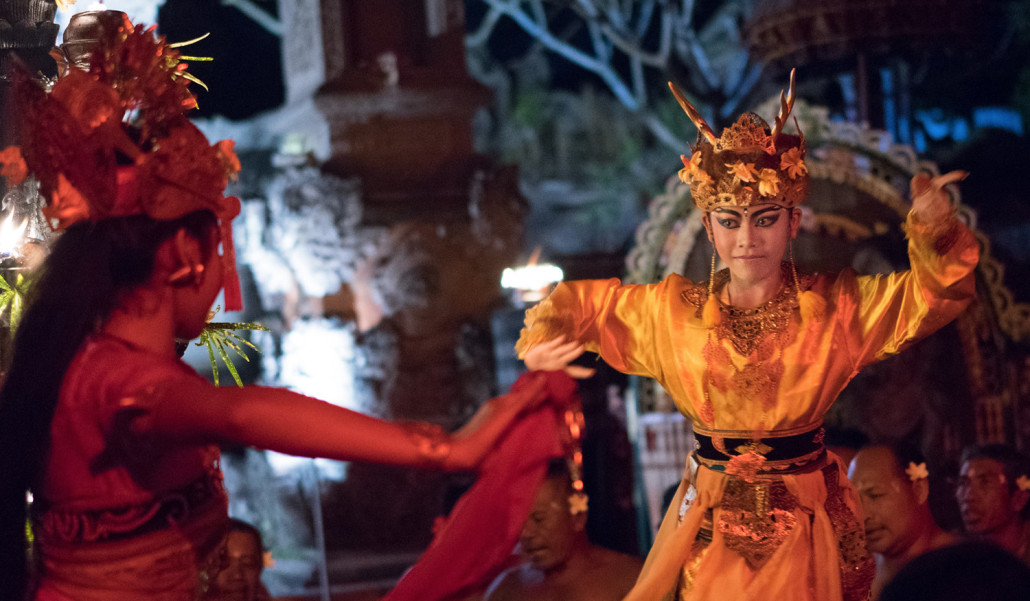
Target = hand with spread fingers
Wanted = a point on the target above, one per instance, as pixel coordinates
(557, 354)
(930, 200)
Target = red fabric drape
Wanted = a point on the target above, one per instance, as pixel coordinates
(475, 544)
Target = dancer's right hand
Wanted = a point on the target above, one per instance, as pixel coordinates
(557, 354)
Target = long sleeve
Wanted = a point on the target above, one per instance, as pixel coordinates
(618, 322)
(882, 314)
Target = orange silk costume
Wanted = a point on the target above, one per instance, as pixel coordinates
(737, 530)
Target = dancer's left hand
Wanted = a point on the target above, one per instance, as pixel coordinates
(929, 199)
(558, 354)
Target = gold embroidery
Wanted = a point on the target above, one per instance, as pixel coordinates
(857, 567)
(747, 328)
(756, 518)
(753, 446)
(759, 334)
(784, 466)
(688, 575)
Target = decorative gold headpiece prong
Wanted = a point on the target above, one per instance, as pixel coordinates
(751, 162)
(786, 104)
(702, 125)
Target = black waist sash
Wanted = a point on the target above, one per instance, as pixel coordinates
(781, 453)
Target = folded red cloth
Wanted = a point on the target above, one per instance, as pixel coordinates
(477, 541)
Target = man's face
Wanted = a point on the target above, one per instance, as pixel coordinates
(984, 498)
(548, 535)
(241, 578)
(889, 500)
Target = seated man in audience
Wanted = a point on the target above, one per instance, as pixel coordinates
(243, 559)
(561, 564)
(893, 484)
(992, 492)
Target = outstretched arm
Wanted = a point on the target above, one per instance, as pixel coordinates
(284, 421)
(600, 316)
(888, 312)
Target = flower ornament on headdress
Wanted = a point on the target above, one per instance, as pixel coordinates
(722, 171)
(114, 141)
(750, 163)
(916, 471)
(1023, 483)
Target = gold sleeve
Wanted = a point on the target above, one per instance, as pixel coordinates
(887, 312)
(615, 321)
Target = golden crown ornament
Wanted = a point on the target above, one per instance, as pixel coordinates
(750, 163)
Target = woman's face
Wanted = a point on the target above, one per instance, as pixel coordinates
(752, 240)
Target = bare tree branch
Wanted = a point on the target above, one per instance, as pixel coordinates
(570, 52)
(485, 30)
(643, 34)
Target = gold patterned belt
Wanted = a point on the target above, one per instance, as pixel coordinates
(777, 452)
(129, 521)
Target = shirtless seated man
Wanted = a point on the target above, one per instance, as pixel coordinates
(561, 564)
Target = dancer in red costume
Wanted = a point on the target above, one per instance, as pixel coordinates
(755, 356)
(113, 435)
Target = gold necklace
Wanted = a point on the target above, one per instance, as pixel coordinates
(760, 334)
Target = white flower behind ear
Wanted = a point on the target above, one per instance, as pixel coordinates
(1023, 483)
(918, 472)
(578, 503)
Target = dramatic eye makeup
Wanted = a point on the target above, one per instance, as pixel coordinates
(766, 217)
(731, 219)
(727, 218)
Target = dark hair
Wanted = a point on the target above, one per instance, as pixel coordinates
(82, 281)
(1012, 461)
(238, 525)
(558, 470)
(970, 570)
(558, 467)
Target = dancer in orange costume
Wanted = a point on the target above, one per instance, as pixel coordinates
(754, 357)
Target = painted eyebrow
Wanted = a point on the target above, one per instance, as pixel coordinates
(727, 212)
(764, 211)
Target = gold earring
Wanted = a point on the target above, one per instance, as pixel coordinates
(794, 269)
(711, 273)
(710, 315)
(186, 274)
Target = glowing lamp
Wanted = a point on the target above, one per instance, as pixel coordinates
(12, 237)
(531, 283)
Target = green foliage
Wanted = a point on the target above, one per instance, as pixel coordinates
(532, 108)
(12, 298)
(220, 337)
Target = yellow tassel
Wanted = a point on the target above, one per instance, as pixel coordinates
(710, 315)
(813, 306)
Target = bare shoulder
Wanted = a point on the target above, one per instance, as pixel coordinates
(617, 565)
(510, 584)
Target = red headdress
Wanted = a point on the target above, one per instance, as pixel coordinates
(114, 140)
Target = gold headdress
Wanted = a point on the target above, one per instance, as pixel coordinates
(112, 140)
(750, 163)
